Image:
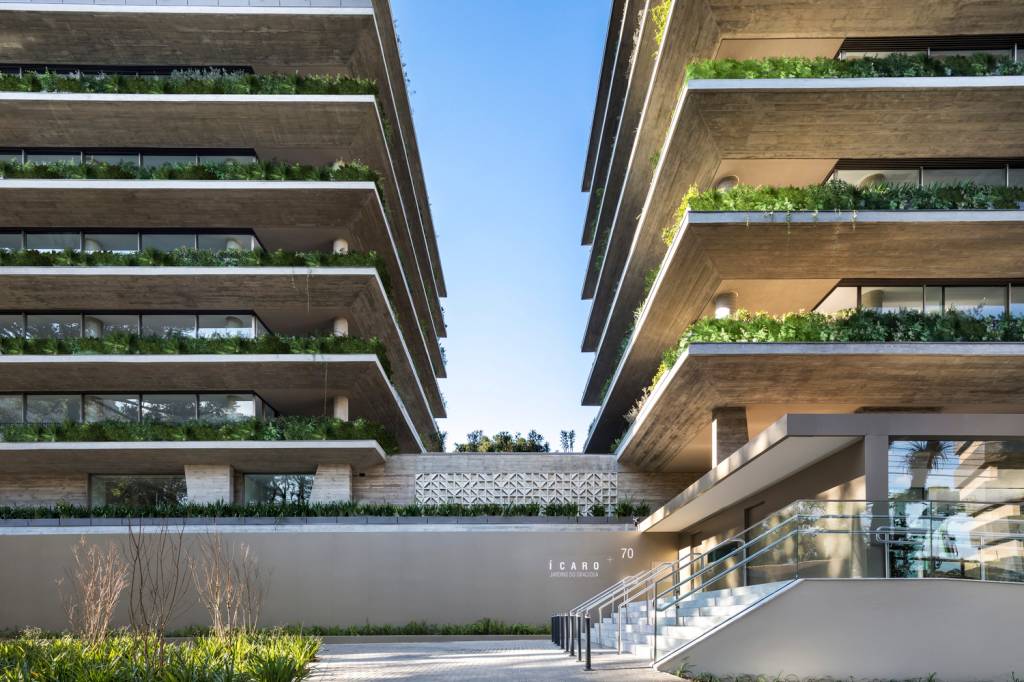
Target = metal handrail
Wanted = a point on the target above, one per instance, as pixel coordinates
(600, 595)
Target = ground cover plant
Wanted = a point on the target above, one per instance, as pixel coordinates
(893, 65)
(503, 441)
(624, 509)
(484, 626)
(228, 170)
(277, 429)
(837, 195)
(135, 344)
(188, 82)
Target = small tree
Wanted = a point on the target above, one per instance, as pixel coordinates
(96, 581)
(158, 576)
(229, 582)
(568, 440)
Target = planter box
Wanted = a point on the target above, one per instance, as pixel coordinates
(592, 520)
(75, 522)
(350, 520)
(199, 521)
(13, 523)
(386, 520)
(442, 520)
(108, 522)
(473, 519)
(43, 522)
(260, 521)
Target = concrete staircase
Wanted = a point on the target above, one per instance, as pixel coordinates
(679, 624)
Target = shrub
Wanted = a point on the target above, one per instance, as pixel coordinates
(659, 14)
(264, 656)
(277, 429)
(229, 170)
(503, 441)
(134, 344)
(189, 82)
(893, 65)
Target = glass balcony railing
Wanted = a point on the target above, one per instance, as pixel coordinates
(97, 325)
(341, 4)
(109, 241)
(167, 408)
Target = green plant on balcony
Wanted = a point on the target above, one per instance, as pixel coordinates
(135, 344)
(188, 82)
(199, 258)
(850, 326)
(836, 195)
(230, 170)
(503, 441)
(892, 66)
(659, 15)
(277, 429)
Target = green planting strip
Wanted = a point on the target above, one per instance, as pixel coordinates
(134, 344)
(189, 82)
(290, 428)
(892, 66)
(624, 509)
(228, 170)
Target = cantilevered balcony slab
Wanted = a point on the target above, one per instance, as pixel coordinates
(294, 216)
(171, 457)
(291, 301)
(350, 37)
(787, 262)
(292, 384)
(987, 376)
(312, 129)
(731, 121)
(796, 442)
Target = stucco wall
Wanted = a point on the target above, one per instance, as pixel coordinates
(346, 575)
(871, 629)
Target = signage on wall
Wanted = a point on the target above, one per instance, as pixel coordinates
(582, 567)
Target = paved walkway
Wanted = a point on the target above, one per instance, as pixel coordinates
(526, 660)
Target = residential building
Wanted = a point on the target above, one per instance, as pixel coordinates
(843, 165)
(215, 217)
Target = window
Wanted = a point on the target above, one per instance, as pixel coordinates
(169, 325)
(957, 471)
(980, 176)
(168, 241)
(116, 159)
(841, 298)
(53, 241)
(933, 299)
(978, 301)
(53, 409)
(169, 407)
(12, 326)
(157, 160)
(1016, 300)
(225, 158)
(11, 409)
(226, 242)
(10, 241)
(226, 407)
(867, 178)
(277, 488)
(53, 326)
(891, 299)
(1016, 177)
(117, 242)
(10, 156)
(53, 157)
(96, 326)
(118, 408)
(136, 491)
(225, 325)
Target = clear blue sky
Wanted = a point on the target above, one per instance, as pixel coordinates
(502, 96)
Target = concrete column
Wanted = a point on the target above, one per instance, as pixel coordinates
(332, 483)
(341, 326)
(728, 432)
(341, 408)
(725, 304)
(340, 246)
(876, 489)
(208, 483)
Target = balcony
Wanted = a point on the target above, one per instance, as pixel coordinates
(785, 262)
(294, 384)
(792, 131)
(282, 214)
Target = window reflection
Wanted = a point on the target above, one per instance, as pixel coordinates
(225, 325)
(226, 242)
(169, 407)
(278, 488)
(121, 408)
(868, 178)
(123, 242)
(218, 408)
(980, 176)
(157, 160)
(10, 241)
(97, 326)
(53, 409)
(115, 159)
(53, 157)
(978, 301)
(136, 491)
(891, 299)
(53, 326)
(11, 409)
(169, 325)
(53, 241)
(168, 241)
(12, 326)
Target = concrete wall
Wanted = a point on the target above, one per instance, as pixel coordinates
(839, 477)
(331, 574)
(871, 629)
(394, 481)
